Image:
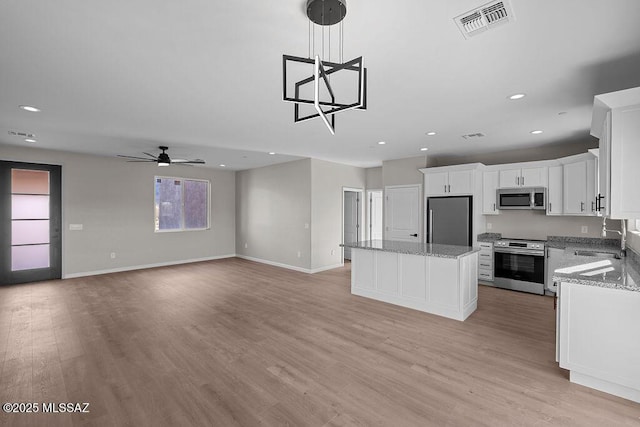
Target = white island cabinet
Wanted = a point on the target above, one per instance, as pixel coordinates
(437, 279)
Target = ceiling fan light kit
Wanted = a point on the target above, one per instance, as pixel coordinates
(161, 159)
(324, 13)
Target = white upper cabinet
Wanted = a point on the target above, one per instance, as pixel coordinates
(436, 183)
(555, 191)
(524, 177)
(489, 187)
(616, 122)
(449, 183)
(579, 185)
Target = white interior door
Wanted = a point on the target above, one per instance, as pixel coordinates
(375, 215)
(351, 219)
(402, 212)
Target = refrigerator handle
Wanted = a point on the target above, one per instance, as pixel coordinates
(430, 238)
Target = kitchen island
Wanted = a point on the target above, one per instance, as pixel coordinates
(597, 320)
(436, 279)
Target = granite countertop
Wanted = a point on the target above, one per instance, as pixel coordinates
(413, 248)
(604, 272)
(489, 237)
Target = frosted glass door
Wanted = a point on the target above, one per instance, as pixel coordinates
(30, 222)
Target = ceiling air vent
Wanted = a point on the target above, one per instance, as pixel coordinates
(473, 135)
(484, 18)
(21, 134)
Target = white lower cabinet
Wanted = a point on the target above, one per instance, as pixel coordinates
(599, 338)
(485, 262)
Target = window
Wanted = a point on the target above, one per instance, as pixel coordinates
(181, 204)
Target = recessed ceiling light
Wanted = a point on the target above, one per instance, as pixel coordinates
(29, 140)
(536, 132)
(30, 108)
(424, 149)
(271, 153)
(381, 143)
(517, 96)
(223, 166)
(431, 133)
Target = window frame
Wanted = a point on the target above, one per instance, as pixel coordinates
(182, 228)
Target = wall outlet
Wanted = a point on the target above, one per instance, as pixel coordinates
(246, 245)
(306, 225)
(489, 226)
(584, 229)
(113, 255)
(299, 254)
(75, 227)
(333, 251)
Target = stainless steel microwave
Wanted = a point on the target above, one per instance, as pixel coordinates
(522, 198)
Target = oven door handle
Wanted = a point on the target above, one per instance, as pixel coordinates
(518, 252)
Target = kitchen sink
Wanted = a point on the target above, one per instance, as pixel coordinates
(598, 254)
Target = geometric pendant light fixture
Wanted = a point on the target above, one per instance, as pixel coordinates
(312, 84)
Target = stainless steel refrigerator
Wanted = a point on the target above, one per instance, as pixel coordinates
(449, 220)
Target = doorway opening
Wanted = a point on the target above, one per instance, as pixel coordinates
(30, 222)
(352, 218)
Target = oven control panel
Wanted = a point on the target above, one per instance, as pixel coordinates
(520, 244)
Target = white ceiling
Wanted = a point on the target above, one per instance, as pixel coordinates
(205, 77)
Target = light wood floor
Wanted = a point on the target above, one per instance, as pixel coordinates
(233, 342)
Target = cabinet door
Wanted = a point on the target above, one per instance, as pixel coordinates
(554, 191)
(533, 177)
(509, 178)
(604, 167)
(554, 259)
(436, 183)
(592, 185)
(489, 187)
(625, 152)
(461, 182)
(575, 188)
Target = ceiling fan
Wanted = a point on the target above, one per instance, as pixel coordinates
(162, 159)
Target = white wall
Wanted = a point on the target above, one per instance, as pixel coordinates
(537, 225)
(403, 171)
(374, 178)
(113, 200)
(274, 206)
(327, 182)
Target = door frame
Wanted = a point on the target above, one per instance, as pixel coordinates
(362, 216)
(56, 170)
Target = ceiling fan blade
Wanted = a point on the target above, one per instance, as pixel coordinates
(182, 161)
(150, 155)
(137, 158)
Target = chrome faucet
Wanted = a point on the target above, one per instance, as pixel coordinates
(622, 233)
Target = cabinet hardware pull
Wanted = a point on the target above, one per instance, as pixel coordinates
(550, 208)
(449, 188)
(414, 235)
(494, 206)
(581, 206)
(523, 180)
(593, 206)
(517, 180)
(445, 188)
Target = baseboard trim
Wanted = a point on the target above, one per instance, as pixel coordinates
(141, 267)
(275, 264)
(328, 267)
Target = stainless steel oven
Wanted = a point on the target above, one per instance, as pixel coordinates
(519, 265)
